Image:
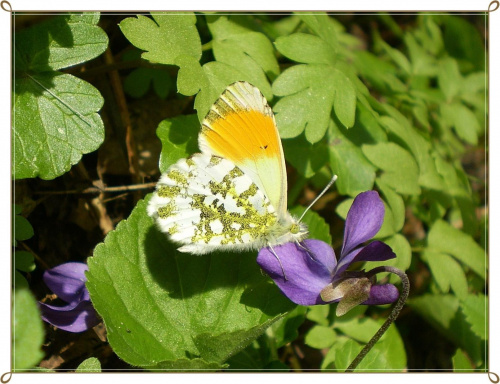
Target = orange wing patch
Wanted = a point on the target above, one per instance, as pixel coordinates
(243, 135)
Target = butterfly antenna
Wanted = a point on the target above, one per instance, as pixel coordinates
(330, 183)
(279, 261)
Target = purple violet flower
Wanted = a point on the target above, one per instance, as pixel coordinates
(67, 281)
(318, 278)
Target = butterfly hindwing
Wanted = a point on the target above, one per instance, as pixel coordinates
(207, 203)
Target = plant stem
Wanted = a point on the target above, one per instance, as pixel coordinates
(392, 316)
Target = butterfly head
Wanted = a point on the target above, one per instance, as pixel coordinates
(299, 231)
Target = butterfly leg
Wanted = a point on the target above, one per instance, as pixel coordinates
(309, 252)
(279, 261)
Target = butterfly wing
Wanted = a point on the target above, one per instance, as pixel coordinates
(208, 203)
(240, 127)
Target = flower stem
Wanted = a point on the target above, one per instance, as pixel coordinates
(392, 316)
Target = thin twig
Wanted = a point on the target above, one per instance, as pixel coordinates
(91, 190)
(392, 316)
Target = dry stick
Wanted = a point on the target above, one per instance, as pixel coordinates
(392, 316)
(123, 188)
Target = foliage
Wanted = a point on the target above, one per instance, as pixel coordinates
(397, 115)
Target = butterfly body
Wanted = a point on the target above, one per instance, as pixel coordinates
(232, 195)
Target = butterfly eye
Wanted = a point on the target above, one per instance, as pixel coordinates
(294, 229)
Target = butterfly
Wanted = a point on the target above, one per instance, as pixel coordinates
(233, 195)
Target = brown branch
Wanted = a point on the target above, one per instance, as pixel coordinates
(90, 190)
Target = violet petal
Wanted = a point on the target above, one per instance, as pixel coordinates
(382, 294)
(375, 251)
(364, 219)
(306, 277)
(71, 318)
(67, 281)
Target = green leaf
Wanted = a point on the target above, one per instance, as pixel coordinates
(307, 158)
(164, 37)
(89, 365)
(214, 78)
(28, 334)
(463, 120)
(22, 229)
(138, 82)
(463, 41)
(475, 309)
(355, 173)
(443, 313)
(400, 168)
(168, 310)
(55, 122)
(309, 92)
(179, 139)
(449, 78)
(305, 48)
(402, 248)
(447, 239)
(447, 273)
(318, 314)
(388, 354)
(59, 43)
(248, 51)
(24, 261)
(55, 114)
(396, 204)
(323, 26)
(461, 362)
(285, 330)
(320, 337)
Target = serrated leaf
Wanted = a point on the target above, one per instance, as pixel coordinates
(179, 139)
(55, 114)
(28, 334)
(447, 273)
(322, 25)
(165, 309)
(400, 168)
(309, 93)
(55, 123)
(59, 43)
(165, 36)
(215, 77)
(89, 365)
(305, 48)
(320, 337)
(355, 173)
(445, 238)
(461, 362)
(248, 51)
(475, 309)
